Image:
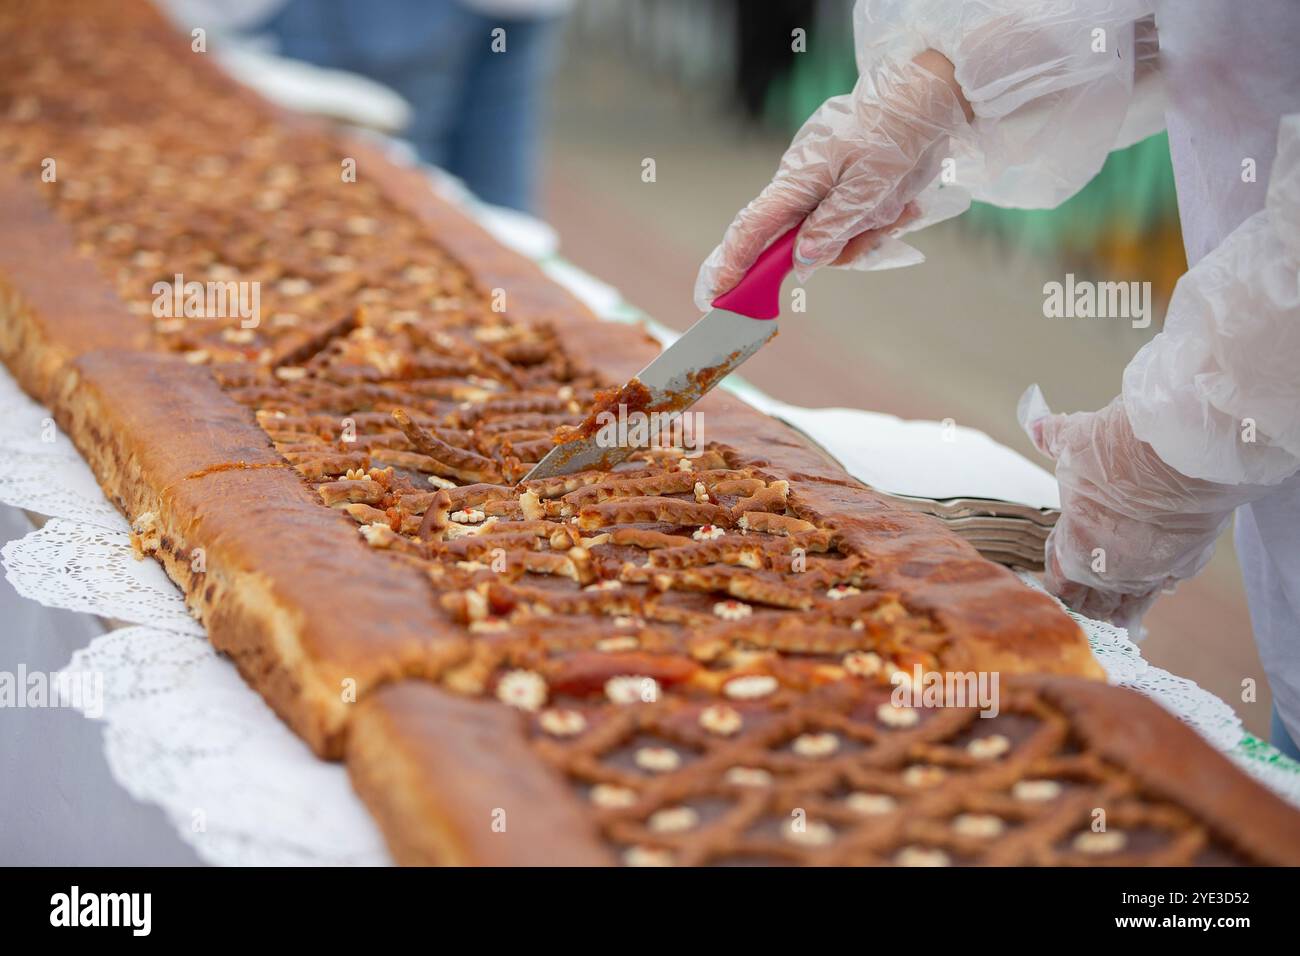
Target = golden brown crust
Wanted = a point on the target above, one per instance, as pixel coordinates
(1170, 759)
(312, 616)
(54, 305)
(452, 782)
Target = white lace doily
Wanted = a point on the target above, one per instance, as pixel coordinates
(83, 567)
(184, 731)
(181, 728)
(41, 469)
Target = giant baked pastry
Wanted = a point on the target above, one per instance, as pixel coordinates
(335, 486)
(408, 405)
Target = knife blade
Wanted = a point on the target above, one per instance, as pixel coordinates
(741, 321)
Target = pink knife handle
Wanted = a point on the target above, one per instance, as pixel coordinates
(758, 295)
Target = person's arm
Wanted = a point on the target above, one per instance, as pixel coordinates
(1209, 420)
(1019, 103)
(938, 64)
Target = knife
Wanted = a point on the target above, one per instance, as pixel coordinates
(740, 322)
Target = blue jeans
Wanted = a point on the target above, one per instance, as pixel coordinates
(477, 113)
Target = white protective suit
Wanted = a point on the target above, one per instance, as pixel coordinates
(1230, 349)
(1051, 85)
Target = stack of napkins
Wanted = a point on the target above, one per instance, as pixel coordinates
(992, 496)
(1003, 531)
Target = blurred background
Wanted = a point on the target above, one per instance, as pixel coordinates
(711, 91)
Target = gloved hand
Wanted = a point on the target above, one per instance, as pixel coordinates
(852, 169)
(1226, 359)
(1131, 526)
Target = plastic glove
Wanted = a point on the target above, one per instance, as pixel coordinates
(1049, 85)
(1131, 526)
(1215, 394)
(853, 168)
